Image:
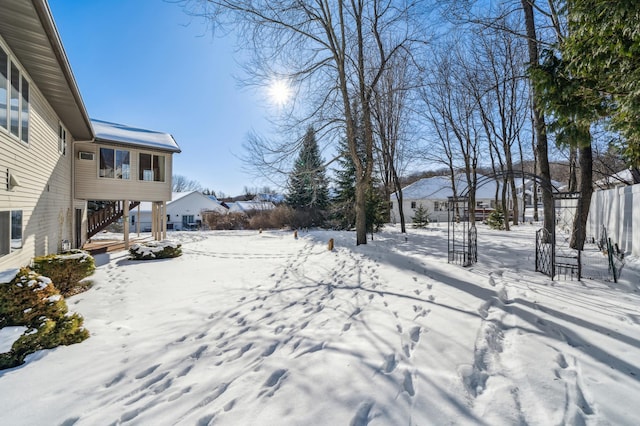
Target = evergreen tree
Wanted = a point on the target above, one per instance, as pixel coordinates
(376, 207)
(307, 189)
(420, 217)
(343, 210)
(601, 53)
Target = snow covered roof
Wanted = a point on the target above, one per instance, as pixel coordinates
(120, 133)
(145, 206)
(621, 178)
(439, 187)
(245, 206)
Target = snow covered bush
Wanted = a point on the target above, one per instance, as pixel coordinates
(155, 250)
(31, 300)
(66, 270)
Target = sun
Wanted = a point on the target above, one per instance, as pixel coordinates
(279, 92)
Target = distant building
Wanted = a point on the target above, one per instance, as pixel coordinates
(184, 212)
(250, 206)
(433, 194)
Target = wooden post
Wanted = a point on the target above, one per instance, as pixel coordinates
(295, 234)
(330, 244)
(125, 223)
(138, 221)
(164, 220)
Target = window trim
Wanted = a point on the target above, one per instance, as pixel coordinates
(23, 108)
(153, 158)
(10, 234)
(115, 151)
(62, 139)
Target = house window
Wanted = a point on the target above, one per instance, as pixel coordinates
(187, 221)
(11, 225)
(62, 139)
(413, 204)
(4, 81)
(14, 105)
(115, 163)
(151, 167)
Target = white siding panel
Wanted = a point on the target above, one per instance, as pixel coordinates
(44, 194)
(89, 186)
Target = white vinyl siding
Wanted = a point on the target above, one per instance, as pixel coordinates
(44, 193)
(89, 186)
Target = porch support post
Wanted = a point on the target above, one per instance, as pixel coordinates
(164, 220)
(138, 221)
(154, 215)
(125, 222)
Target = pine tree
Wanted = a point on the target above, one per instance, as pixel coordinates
(376, 208)
(343, 212)
(420, 217)
(343, 207)
(307, 189)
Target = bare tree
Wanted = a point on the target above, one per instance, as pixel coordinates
(452, 113)
(502, 97)
(322, 45)
(390, 114)
(181, 183)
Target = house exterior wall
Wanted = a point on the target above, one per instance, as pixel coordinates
(192, 204)
(89, 186)
(436, 208)
(44, 194)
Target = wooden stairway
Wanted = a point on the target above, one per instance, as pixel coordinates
(109, 213)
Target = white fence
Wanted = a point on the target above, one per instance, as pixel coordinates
(618, 210)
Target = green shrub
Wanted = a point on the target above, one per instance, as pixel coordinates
(66, 270)
(420, 217)
(155, 250)
(496, 219)
(31, 300)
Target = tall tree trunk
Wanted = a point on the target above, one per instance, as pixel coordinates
(579, 234)
(573, 177)
(539, 124)
(534, 184)
(399, 197)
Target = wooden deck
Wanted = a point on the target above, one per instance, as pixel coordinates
(108, 246)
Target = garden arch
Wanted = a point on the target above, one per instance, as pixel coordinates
(462, 242)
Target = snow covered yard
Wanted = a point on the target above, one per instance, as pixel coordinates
(248, 328)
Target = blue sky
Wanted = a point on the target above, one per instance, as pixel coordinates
(147, 64)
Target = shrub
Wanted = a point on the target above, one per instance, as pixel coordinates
(31, 300)
(420, 217)
(155, 250)
(66, 270)
(219, 222)
(495, 220)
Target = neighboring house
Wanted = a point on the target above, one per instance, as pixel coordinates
(433, 194)
(274, 198)
(184, 212)
(622, 178)
(528, 191)
(53, 158)
(250, 206)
